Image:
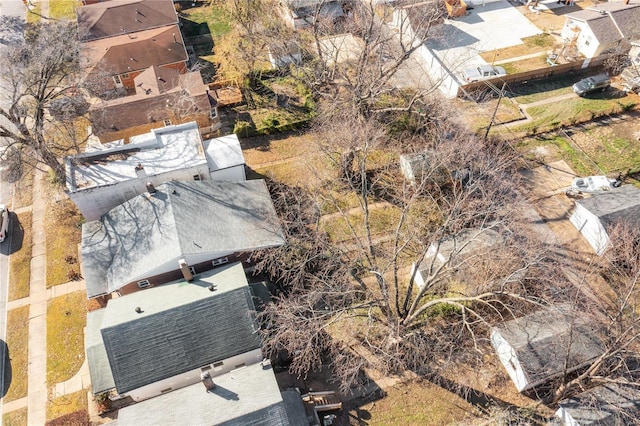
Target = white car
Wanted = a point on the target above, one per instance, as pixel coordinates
(483, 72)
(594, 184)
(4, 222)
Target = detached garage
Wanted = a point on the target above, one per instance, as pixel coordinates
(592, 216)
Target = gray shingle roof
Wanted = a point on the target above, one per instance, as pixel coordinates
(182, 326)
(623, 18)
(545, 340)
(182, 218)
(620, 204)
(611, 404)
(248, 396)
(99, 369)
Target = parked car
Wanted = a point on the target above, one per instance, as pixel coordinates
(594, 184)
(483, 72)
(4, 222)
(592, 84)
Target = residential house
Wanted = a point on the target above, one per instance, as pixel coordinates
(545, 345)
(117, 17)
(112, 63)
(245, 396)
(152, 342)
(110, 174)
(195, 225)
(464, 250)
(300, 14)
(163, 97)
(606, 27)
(594, 215)
(610, 404)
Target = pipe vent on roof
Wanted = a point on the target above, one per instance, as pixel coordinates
(151, 189)
(138, 309)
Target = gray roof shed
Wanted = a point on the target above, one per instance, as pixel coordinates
(611, 404)
(620, 204)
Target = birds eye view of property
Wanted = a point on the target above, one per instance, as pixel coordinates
(320, 212)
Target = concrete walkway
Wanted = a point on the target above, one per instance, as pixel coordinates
(38, 392)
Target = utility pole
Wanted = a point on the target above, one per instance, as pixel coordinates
(495, 111)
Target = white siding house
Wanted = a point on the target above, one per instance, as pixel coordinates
(113, 173)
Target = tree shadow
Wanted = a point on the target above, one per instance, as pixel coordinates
(11, 29)
(16, 234)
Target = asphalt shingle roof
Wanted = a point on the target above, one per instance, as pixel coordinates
(545, 340)
(196, 217)
(610, 404)
(248, 396)
(619, 204)
(115, 17)
(181, 326)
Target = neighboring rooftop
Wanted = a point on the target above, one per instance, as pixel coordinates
(181, 218)
(116, 17)
(125, 53)
(466, 242)
(180, 326)
(606, 405)
(161, 150)
(545, 340)
(619, 204)
(223, 152)
(611, 21)
(246, 396)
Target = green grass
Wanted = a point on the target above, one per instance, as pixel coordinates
(67, 404)
(214, 15)
(62, 9)
(63, 224)
(66, 319)
(20, 261)
(15, 418)
(18, 343)
(568, 112)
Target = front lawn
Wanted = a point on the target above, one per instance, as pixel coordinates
(66, 319)
(67, 404)
(63, 9)
(18, 343)
(63, 226)
(20, 261)
(15, 418)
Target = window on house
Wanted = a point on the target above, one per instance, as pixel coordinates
(144, 284)
(116, 79)
(586, 42)
(241, 365)
(205, 368)
(214, 112)
(125, 75)
(167, 122)
(192, 269)
(220, 261)
(196, 177)
(217, 366)
(166, 390)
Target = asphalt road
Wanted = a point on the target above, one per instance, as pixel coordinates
(12, 17)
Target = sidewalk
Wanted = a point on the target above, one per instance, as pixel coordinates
(37, 396)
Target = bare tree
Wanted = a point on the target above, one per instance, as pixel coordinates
(38, 70)
(355, 292)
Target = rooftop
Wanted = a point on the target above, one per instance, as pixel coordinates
(196, 218)
(618, 204)
(223, 152)
(161, 150)
(183, 324)
(127, 53)
(115, 17)
(545, 340)
(246, 396)
(610, 404)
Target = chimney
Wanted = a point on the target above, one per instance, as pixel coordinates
(150, 188)
(140, 170)
(186, 271)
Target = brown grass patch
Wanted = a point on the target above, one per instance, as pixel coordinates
(15, 418)
(66, 319)
(67, 404)
(18, 343)
(20, 261)
(23, 191)
(63, 225)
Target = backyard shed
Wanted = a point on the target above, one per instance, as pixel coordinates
(535, 348)
(594, 215)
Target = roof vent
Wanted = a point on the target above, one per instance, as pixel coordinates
(150, 188)
(212, 287)
(138, 309)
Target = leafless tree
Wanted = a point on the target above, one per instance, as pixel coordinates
(38, 70)
(618, 317)
(354, 294)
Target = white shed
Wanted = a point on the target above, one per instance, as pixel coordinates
(592, 216)
(538, 347)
